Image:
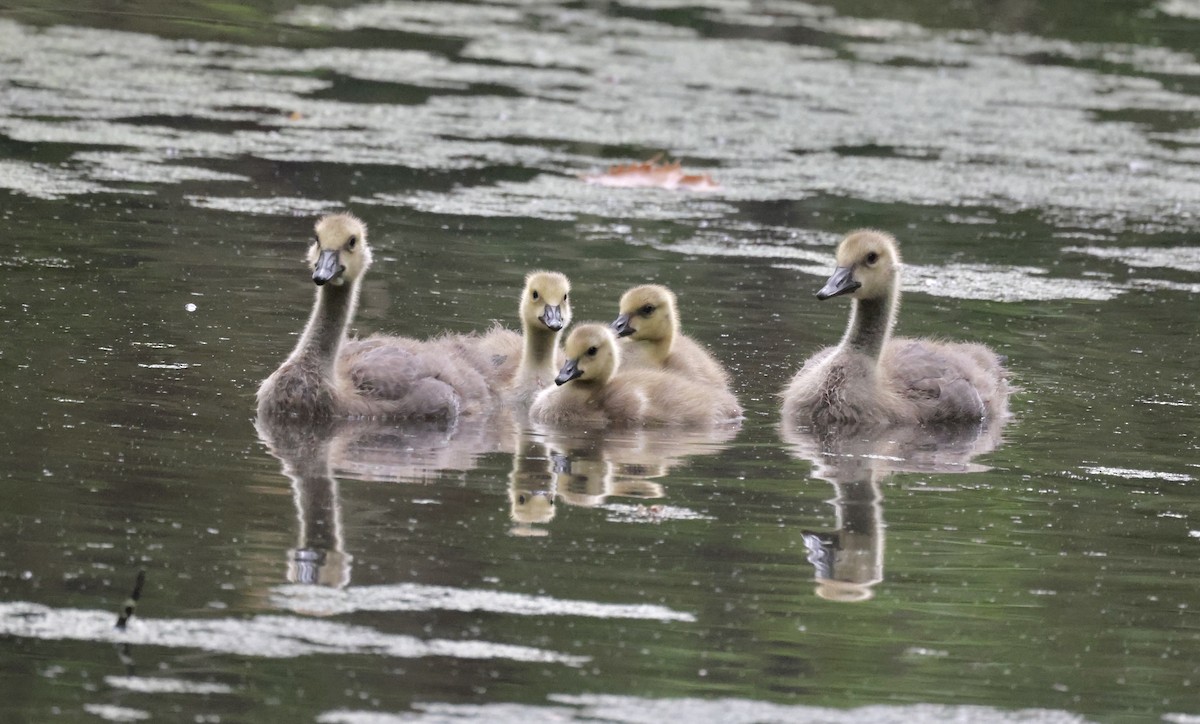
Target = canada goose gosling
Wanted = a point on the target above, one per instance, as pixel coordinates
(648, 322)
(868, 268)
(593, 389)
(544, 310)
(592, 357)
(649, 314)
(871, 378)
(307, 383)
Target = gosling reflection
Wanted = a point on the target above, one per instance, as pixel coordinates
(420, 452)
(313, 455)
(848, 560)
(307, 453)
(531, 489)
(583, 469)
(589, 471)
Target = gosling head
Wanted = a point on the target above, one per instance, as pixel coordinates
(591, 351)
(531, 506)
(647, 312)
(544, 302)
(867, 265)
(339, 251)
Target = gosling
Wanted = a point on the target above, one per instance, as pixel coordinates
(591, 391)
(648, 323)
(871, 379)
(544, 310)
(328, 376)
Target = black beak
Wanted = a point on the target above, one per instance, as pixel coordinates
(621, 325)
(552, 317)
(328, 268)
(569, 371)
(842, 282)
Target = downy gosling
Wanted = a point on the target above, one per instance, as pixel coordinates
(544, 310)
(648, 325)
(593, 391)
(329, 376)
(873, 379)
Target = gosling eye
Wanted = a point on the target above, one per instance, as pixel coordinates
(647, 310)
(521, 499)
(591, 351)
(536, 296)
(872, 258)
(350, 244)
(564, 297)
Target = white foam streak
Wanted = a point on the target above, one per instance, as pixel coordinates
(637, 710)
(417, 597)
(260, 636)
(163, 685)
(1132, 474)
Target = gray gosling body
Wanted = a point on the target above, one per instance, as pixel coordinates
(873, 379)
(592, 391)
(328, 376)
(648, 325)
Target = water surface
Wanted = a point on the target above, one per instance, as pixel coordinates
(160, 173)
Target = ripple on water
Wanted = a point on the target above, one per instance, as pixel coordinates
(1180, 8)
(555, 197)
(956, 281)
(112, 712)
(44, 182)
(1183, 258)
(273, 206)
(626, 513)
(423, 18)
(1131, 474)
(163, 685)
(263, 636)
(417, 597)
(632, 709)
(24, 262)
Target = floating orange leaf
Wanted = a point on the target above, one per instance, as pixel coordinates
(652, 174)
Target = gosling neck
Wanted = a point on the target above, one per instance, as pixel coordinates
(326, 328)
(538, 355)
(871, 323)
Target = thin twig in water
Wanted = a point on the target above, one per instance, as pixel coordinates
(131, 602)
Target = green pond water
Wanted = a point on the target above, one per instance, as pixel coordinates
(160, 170)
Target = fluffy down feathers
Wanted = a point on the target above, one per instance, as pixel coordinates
(872, 379)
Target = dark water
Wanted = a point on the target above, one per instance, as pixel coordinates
(160, 169)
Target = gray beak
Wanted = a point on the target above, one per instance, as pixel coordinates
(552, 317)
(328, 267)
(621, 325)
(569, 371)
(842, 282)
